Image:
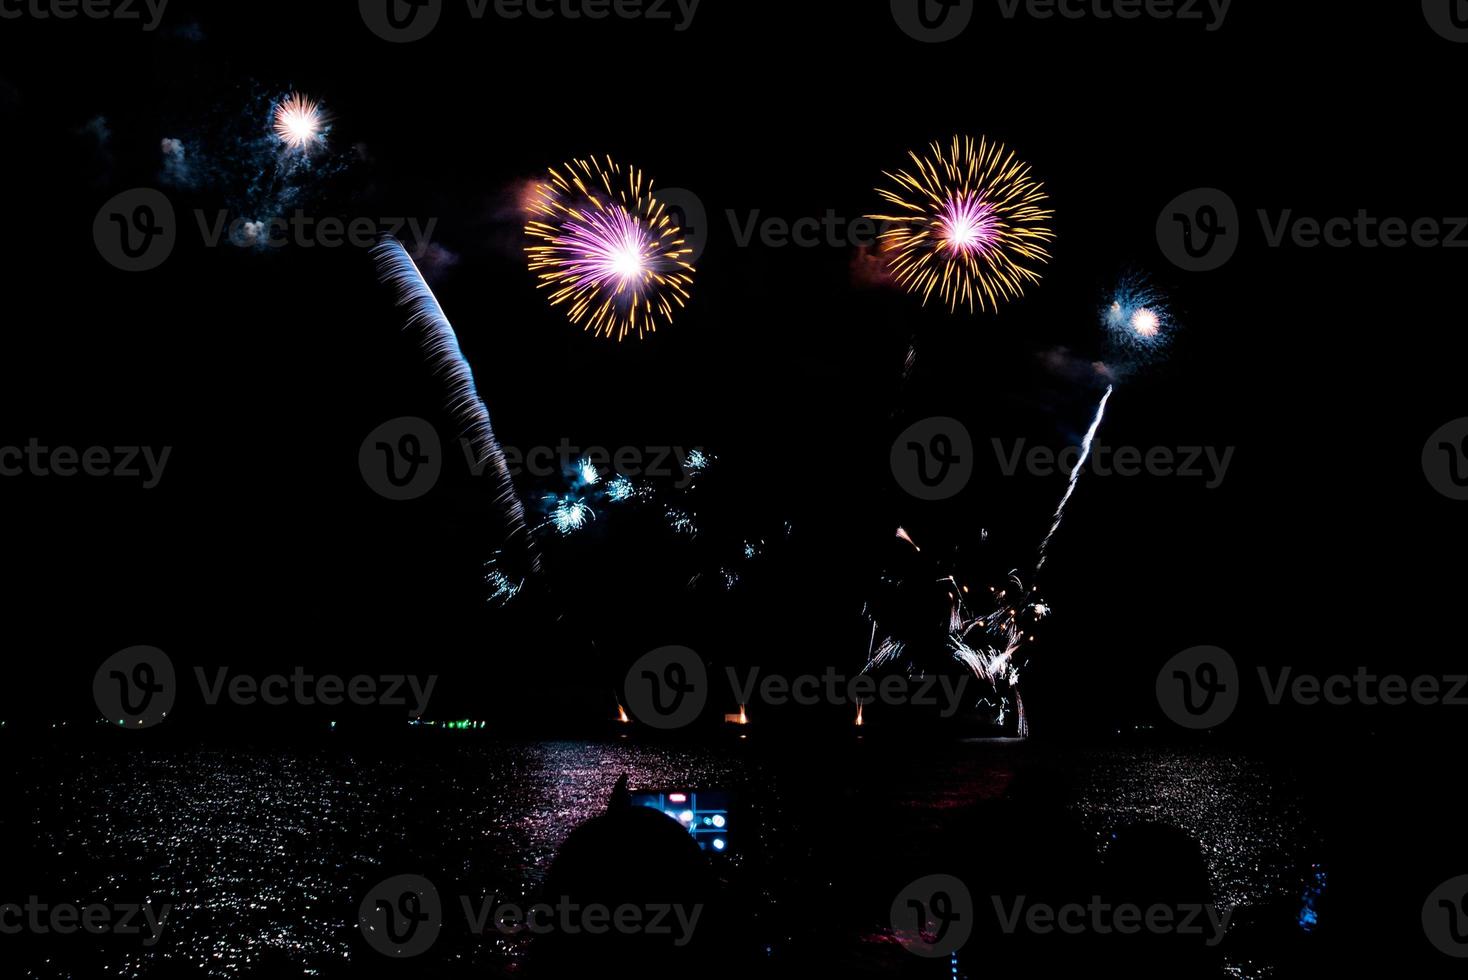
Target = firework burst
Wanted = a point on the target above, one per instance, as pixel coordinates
(300, 122)
(1137, 316)
(606, 249)
(969, 225)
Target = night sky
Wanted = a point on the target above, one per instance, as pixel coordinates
(1325, 369)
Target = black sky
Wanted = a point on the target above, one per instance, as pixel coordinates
(1326, 369)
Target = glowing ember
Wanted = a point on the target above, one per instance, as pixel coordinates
(1146, 323)
(299, 121)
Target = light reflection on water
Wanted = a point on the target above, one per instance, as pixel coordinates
(1247, 819)
(262, 850)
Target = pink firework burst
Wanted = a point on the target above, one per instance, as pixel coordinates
(609, 250)
(968, 225)
(606, 250)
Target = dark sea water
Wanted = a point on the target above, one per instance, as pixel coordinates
(266, 853)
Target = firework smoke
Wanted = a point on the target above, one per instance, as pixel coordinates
(441, 347)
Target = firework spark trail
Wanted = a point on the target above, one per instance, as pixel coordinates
(970, 225)
(1075, 476)
(445, 358)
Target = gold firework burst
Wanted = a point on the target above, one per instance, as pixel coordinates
(969, 226)
(608, 252)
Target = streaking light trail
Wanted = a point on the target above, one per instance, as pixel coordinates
(1075, 477)
(446, 360)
